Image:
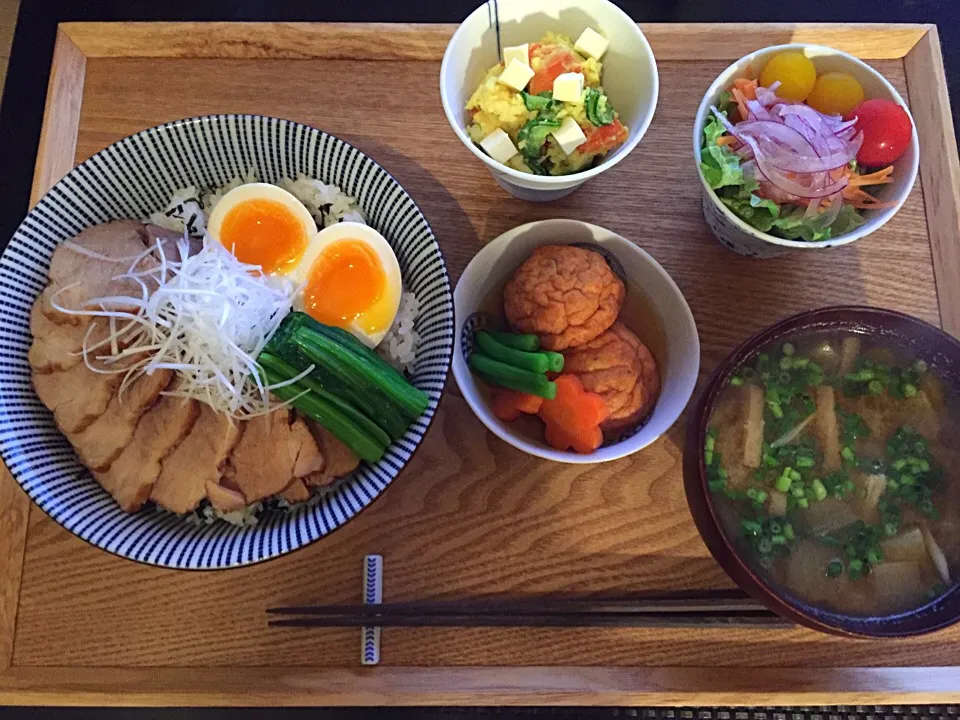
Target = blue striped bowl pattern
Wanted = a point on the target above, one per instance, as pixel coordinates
(133, 178)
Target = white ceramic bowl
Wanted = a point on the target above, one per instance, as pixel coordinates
(629, 75)
(654, 309)
(737, 235)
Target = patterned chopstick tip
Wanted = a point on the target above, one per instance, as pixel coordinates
(372, 595)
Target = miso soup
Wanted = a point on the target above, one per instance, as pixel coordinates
(833, 463)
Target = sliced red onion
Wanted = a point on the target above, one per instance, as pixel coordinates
(768, 96)
(818, 187)
(831, 213)
(788, 150)
(759, 112)
(793, 149)
(813, 207)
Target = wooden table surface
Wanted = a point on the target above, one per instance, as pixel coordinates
(469, 515)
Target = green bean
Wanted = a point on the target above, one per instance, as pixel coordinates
(513, 378)
(527, 343)
(534, 362)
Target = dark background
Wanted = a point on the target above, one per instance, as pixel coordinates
(21, 114)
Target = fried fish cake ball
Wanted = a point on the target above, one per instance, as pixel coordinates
(620, 369)
(566, 295)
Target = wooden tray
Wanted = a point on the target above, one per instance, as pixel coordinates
(471, 515)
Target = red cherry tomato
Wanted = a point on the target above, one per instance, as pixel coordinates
(886, 131)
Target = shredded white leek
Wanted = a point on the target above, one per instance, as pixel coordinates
(205, 316)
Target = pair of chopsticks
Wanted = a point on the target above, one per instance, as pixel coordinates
(689, 611)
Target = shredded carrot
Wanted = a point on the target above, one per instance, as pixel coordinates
(573, 418)
(855, 195)
(862, 200)
(509, 404)
(726, 140)
(747, 87)
(880, 177)
(741, 103)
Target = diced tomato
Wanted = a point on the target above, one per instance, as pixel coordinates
(603, 138)
(557, 63)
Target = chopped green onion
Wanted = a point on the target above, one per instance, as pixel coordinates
(788, 349)
(788, 531)
(847, 454)
(736, 381)
(786, 363)
(819, 489)
(909, 390)
(835, 568)
(783, 483)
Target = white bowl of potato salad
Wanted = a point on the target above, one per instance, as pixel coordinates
(548, 93)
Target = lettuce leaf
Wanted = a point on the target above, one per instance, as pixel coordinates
(720, 167)
(719, 164)
(753, 210)
(794, 226)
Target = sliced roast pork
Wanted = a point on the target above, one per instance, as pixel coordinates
(274, 450)
(77, 396)
(100, 443)
(55, 346)
(197, 462)
(339, 460)
(296, 492)
(224, 499)
(85, 267)
(132, 475)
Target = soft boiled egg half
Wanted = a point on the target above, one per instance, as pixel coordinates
(350, 278)
(263, 225)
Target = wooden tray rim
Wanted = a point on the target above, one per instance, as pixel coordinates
(917, 45)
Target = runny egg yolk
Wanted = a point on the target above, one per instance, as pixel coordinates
(345, 282)
(265, 233)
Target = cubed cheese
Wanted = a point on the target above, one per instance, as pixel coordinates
(568, 87)
(499, 146)
(592, 44)
(517, 52)
(517, 75)
(569, 135)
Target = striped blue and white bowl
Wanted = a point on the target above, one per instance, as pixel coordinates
(131, 179)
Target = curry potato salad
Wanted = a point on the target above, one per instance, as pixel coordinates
(543, 110)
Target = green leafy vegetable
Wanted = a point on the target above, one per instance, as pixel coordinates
(720, 167)
(758, 212)
(537, 102)
(349, 370)
(795, 226)
(725, 102)
(598, 108)
(531, 138)
(351, 427)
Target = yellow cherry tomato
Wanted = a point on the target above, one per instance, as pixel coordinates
(835, 94)
(794, 71)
